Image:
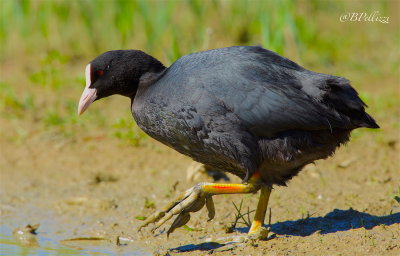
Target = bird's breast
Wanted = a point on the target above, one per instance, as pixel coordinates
(171, 124)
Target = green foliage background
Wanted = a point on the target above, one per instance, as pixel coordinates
(45, 45)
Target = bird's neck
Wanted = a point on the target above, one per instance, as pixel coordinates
(149, 78)
(145, 81)
(149, 71)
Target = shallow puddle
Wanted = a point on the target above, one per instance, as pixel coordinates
(9, 245)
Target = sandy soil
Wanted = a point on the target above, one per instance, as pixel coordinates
(93, 185)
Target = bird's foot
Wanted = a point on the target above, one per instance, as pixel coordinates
(192, 200)
(261, 233)
(232, 242)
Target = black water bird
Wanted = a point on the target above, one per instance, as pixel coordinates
(244, 110)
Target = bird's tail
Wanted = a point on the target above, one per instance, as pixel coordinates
(345, 100)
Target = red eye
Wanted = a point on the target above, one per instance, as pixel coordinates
(100, 72)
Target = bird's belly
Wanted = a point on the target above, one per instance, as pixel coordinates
(286, 155)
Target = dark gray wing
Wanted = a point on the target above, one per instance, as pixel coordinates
(270, 93)
(265, 90)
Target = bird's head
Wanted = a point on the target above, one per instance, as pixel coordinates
(116, 72)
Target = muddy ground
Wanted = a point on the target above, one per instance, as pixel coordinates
(86, 185)
(92, 185)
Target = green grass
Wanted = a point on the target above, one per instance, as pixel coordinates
(48, 72)
(48, 43)
(13, 105)
(66, 30)
(86, 28)
(129, 132)
(396, 195)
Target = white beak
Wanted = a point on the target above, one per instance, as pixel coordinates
(89, 94)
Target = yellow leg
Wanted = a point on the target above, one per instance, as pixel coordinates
(259, 217)
(195, 198)
(217, 188)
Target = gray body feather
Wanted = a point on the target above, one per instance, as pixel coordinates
(243, 109)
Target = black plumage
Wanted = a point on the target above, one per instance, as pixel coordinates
(236, 109)
(244, 110)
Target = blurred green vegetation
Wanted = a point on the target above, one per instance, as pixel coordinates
(172, 28)
(84, 28)
(45, 45)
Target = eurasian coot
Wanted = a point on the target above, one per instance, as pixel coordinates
(244, 110)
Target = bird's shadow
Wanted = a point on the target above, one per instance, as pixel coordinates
(335, 221)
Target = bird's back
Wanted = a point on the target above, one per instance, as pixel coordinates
(268, 92)
(230, 108)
